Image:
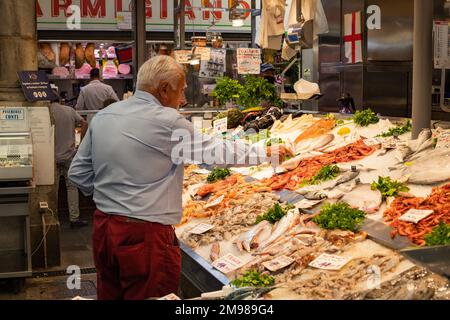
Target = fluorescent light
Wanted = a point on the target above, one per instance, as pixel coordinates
(237, 22)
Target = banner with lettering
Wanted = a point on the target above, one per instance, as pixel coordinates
(102, 15)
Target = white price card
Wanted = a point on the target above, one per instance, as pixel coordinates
(278, 263)
(372, 142)
(415, 215)
(228, 263)
(201, 171)
(201, 228)
(170, 296)
(329, 262)
(220, 125)
(215, 202)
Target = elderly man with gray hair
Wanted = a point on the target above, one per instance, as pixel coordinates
(130, 161)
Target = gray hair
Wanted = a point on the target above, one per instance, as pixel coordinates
(157, 69)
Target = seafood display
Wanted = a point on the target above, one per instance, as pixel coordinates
(307, 168)
(415, 284)
(331, 285)
(438, 201)
(316, 205)
(237, 217)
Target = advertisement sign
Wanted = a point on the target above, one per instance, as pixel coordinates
(102, 15)
(35, 85)
(248, 60)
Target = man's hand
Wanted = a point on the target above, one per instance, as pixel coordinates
(279, 152)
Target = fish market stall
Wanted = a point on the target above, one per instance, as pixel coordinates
(336, 221)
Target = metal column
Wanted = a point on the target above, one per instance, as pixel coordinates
(253, 22)
(139, 36)
(422, 66)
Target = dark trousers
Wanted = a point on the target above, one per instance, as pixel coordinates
(135, 259)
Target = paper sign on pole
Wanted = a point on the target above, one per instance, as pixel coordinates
(204, 52)
(248, 60)
(183, 56)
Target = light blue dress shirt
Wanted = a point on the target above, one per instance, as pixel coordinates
(132, 158)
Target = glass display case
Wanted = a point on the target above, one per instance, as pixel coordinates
(16, 156)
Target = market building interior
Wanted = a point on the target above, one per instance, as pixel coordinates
(355, 89)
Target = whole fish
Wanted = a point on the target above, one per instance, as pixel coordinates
(262, 235)
(215, 251)
(364, 198)
(286, 223)
(433, 167)
(249, 235)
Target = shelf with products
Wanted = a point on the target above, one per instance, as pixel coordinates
(75, 60)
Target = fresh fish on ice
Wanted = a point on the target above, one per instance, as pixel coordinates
(315, 195)
(313, 143)
(342, 189)
(433, 167)
(285, 224)
(245, 239)
(215, 251)
(344, 167)
(364, 198)
(319, 191)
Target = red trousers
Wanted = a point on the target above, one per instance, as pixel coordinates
(135, 259)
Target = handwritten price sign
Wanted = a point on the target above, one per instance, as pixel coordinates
(329, 262)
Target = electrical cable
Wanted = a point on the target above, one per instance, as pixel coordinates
(45, 233)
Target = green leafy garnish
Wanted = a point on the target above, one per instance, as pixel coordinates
(440, 235)
(339, 216)
(325, 173)
(257, 89)
(274, 141)
(218, 174)
(389, 187)
(397, 131)
(366, 117)
(226, 89)
(253, 278)
(275, 213)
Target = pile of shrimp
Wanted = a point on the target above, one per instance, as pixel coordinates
(235, 189)
(438, 201)
(307, 168)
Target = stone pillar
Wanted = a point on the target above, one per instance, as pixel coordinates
(18, 52)
(18, 46)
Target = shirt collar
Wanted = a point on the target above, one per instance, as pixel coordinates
(144, 95)
(95, 81)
